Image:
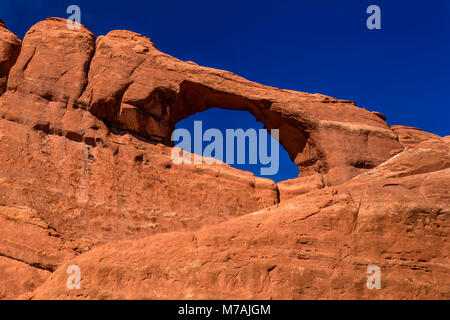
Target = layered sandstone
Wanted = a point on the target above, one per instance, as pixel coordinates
(87, 179)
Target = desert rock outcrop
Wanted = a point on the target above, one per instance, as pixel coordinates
(87, 179)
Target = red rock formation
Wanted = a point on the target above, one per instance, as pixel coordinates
(134, 87)
(87, 176)
(313, 246)
(409, 136)
(9, 51)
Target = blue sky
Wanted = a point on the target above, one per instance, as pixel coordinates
(402, 70)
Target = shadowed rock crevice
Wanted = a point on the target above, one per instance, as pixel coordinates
(10, 46)
(37, 265)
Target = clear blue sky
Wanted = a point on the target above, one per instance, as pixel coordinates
(402, 70)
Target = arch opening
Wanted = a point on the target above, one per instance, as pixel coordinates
(279, 168)
(294, 134)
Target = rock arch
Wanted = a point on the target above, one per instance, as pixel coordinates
(125, 81)
(195, 97)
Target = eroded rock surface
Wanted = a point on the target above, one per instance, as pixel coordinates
(87, 179)
(313, 246)
(409, 136)
(9, 51)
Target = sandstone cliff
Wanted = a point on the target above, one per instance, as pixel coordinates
(87, 179)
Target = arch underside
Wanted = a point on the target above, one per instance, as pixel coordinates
(194, 98)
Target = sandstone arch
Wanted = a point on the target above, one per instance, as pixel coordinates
(78, 126)
(9, 51)
(126, 82)
(233, 118)
(195, 97)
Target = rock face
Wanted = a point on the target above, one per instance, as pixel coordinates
(409, 136)
(317, 245)
(87, 179)
(9, 51)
